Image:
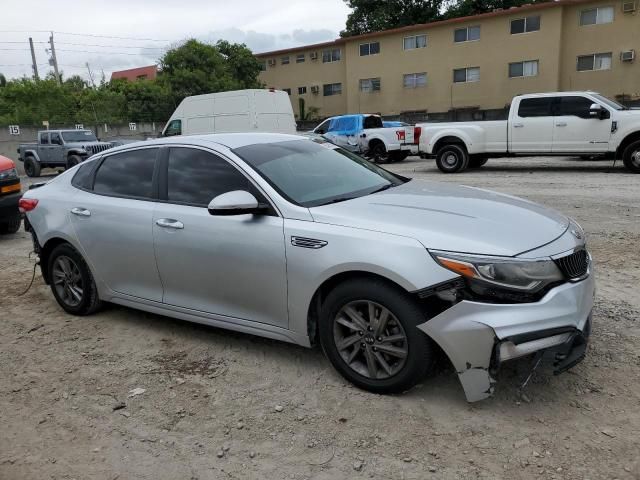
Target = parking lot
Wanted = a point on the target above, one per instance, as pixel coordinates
(216, 404)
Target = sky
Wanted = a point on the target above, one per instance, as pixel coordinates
(84, 31)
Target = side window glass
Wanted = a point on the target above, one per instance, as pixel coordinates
(44, 138)
(174, 128)
(323, 127)
(575, 106)
(82, 178)
(55, 139)
(196, 177)
(127, 174)
(535, 107)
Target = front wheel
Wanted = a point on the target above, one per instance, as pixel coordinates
(452, 158)
(379, 153)
(368, 330)
(72, 161)
(71, 281)
(631, 157)
(31, 167)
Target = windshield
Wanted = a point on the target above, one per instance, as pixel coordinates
(609, 102)
(79, 136)
(311, 174)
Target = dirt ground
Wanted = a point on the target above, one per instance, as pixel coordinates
(223, 405)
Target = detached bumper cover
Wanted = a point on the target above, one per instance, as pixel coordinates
(470, 332)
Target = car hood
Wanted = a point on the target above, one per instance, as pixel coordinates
(447, 217)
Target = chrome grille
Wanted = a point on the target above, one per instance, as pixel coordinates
(575, 265)
(100, 147)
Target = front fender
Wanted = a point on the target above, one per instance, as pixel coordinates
(32, 153)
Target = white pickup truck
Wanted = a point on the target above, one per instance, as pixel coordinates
(366, 134)
(540, 124)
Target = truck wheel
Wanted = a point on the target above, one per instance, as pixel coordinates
(398, 156)
(477, 162)
(631, 157)
(452, 158)
(11, 226)
(31, 167)
(73, 160)
(379, 153)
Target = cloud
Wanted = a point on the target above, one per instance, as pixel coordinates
(263, 42)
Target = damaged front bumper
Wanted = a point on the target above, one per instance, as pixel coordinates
(477, 337)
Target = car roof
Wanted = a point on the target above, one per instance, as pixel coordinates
(555, 94)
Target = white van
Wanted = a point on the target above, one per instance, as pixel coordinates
(236, 111)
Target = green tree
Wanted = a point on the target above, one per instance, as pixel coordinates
(3, 80)
(464, 8)
(376, 15)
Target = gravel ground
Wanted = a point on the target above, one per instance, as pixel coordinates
(217, 404)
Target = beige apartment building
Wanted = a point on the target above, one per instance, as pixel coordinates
(471, 64)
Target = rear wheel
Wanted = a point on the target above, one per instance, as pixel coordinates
(477, 162)
(73, 160)
(71, 281)
(379, 153)
(368, 330)
(631, 157)
(10, 226)
(31, 167)
(452, 158)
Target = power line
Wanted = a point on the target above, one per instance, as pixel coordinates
(91, 45)
(87, 35)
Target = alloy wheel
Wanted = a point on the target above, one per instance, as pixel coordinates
(67, 281)
(635, 158)
(370, 339)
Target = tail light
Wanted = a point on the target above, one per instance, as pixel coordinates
(27, 204)
(417, 131)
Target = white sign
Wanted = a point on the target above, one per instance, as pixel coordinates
(132, 126)
(79, 126)
(14, 130)
(45, 123)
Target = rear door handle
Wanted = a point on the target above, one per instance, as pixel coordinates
(561, 124)
(518, 125)
(82, 212)
(169, 223)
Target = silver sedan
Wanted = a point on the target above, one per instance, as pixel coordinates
(286, 238)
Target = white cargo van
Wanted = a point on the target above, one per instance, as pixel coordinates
(237, 111)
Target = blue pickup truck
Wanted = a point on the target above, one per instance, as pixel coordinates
(366, 134)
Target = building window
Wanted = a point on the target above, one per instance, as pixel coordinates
(595, 16)
(284, 60)
(370, 85)
(463, 75)
(414, 80)
(300, 58)
(329, 89)
(466, 34)
(288, 90)
(416, 41)
(372, 48)
(597, 61)
(332, 55)
(302, 90)
(263, 65)
(528, 68)
(525, 25)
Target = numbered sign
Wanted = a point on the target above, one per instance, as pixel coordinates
(14, 129)
(79, 126)
(132, 126)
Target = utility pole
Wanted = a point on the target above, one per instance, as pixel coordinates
(33, 60)
(90, 75)
(54, 59)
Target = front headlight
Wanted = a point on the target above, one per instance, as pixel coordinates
(9, 174)
(524, 275)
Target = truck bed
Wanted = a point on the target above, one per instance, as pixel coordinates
(482, 136)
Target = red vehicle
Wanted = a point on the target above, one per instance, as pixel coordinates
(10, 193)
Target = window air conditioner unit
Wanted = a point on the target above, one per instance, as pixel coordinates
(272, 62)
(628, 55)
(315, 89)
(313, 55)
(629, 7)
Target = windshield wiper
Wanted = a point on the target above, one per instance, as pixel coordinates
(383, 188)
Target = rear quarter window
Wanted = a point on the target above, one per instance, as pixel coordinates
(83, 177)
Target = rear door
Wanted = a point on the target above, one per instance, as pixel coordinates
(574, 129)
(112, 221)
(531, 126)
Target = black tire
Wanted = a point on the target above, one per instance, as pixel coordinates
(31, 167)
(477, 162)
(379, 153)
(398, 156)
(631, 157)
(73, 160)
(89, 301)
(452, 158)
(10, 226)
(418, 347)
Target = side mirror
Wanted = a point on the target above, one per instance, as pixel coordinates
(596, 111)
(237, 202)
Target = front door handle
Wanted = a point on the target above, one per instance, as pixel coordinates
(169, 223)
(518, 125)
(82, 212)
(561, 124)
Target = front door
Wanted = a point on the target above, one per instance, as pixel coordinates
(575, 130)
(233, 266)
(113, 224)
(57, 151)
(531, 127)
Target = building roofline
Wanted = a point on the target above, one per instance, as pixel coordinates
(422, 26)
